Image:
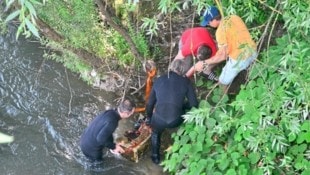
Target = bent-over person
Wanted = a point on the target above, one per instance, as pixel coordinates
(171, 95)
(99, 134)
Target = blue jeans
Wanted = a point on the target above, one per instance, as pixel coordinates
(233, 67)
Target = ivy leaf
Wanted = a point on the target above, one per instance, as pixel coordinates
(305, 126)
(302, 148)
(197, 147)
(254, 157)
(216, 98)
(185, 149)
(291, 137)
(211, 123)
(242, 170)
(193, 135)
(210, 164)
(223, 162)
(306, 172)
(231, 172)
(238, 135)
(235, 156)
(303, 136)
(201, 165)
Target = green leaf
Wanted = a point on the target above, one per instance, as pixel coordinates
(210, 164)
(216, 98)
(184, 139)
(302, 148)
(209, 142)
(32, 28)
(306, 126)
(238, 135)
(231, 172)
(254, 157)
(257, 171)
(306, 172)
(12, 15)
(197, 147)
(8, 4)
(291, 137)
(185, 149)
(31, 9)
(36, 2)
(303, 136)
(242, 170)
(235, 158)
(223, 162)
(211, 123)
(20, 29)
(193, 135)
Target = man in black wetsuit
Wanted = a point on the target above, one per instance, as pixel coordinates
(167, 102)
(99, 134)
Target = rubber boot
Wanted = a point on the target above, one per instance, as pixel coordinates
(155, 141)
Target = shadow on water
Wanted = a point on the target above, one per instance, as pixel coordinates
(46, 108)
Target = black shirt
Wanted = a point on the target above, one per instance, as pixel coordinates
(168, 95)
(99, 134)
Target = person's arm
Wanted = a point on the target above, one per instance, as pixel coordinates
(105, 136)
(220, 56)
(118, 149)
(191, 96)
(179, 55)
(150, 104)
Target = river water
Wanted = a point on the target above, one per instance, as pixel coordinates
(46, 108)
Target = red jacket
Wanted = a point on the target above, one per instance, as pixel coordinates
(192, 38)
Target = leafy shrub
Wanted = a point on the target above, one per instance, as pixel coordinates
(265, 129)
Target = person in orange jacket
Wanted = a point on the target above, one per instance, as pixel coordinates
(235, 45)
(197, 43)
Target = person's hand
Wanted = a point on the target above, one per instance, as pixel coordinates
(118, 149)
(199, 66)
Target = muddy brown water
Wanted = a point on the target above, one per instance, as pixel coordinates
(46, 108)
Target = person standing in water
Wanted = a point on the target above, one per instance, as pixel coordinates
(99, 134)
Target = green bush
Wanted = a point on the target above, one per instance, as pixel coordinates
(265, 129)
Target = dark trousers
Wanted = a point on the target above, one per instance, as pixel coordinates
(158, 126)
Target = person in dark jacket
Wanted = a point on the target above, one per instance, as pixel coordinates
(170, 96)
(99, 133)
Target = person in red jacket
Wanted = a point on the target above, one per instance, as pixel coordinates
(196, 42)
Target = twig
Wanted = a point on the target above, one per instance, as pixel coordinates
(273, 9)
(261, 40)
(272, 29)
(138, 89)
(69, 91)
(171, 38)
(212, 89)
